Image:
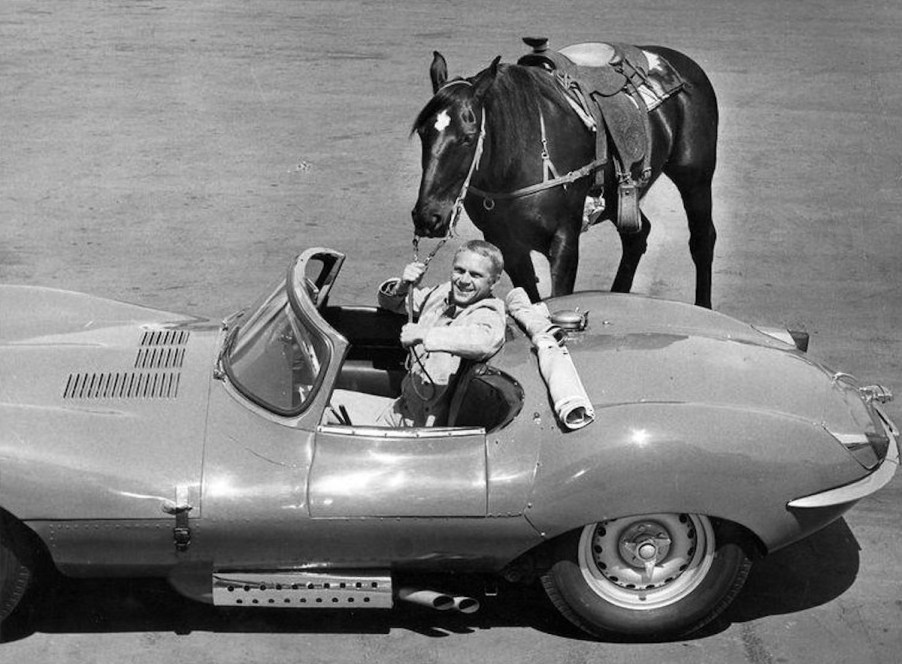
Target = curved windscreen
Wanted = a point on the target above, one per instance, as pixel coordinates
(275, 360)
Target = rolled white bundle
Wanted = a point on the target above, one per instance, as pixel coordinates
(571, 403)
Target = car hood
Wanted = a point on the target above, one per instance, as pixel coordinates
(643, 350)
(103, 403)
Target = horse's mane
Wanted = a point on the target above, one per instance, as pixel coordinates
(512, 112)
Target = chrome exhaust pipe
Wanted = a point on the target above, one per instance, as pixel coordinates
(466, 604)
(429, 598)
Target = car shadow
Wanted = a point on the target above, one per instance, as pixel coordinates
(804, 575)
(812, 572)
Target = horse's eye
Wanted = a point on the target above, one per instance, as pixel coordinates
(468, 117)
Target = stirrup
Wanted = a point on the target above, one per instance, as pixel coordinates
(629, 219)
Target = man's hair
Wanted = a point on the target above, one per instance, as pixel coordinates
(486, 249)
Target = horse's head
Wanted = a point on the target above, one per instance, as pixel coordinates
(449, 127)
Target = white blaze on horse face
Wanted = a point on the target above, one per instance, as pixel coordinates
(442, 120)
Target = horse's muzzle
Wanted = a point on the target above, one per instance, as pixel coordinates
(429, 224)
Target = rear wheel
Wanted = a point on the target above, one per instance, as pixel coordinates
(652, 575)
(16, 566)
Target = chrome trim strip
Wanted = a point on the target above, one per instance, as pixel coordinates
(863, 487)
(392, 432)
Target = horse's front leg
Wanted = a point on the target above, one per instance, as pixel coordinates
(518, 263)
(633, 246)
(563, 259)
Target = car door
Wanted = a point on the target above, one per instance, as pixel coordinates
(373, 472)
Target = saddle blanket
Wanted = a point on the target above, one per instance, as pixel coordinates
(663, 81)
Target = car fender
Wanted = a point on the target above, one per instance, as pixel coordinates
(646, 458)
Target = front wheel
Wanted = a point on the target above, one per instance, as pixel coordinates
(652, 575)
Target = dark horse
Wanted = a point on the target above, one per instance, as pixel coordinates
(503, 103)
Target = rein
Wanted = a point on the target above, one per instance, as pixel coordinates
(550, 177)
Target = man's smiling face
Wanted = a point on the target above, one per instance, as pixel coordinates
(472, 278)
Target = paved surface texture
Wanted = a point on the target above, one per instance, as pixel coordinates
(179, 154)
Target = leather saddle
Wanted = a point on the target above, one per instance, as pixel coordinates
(602, 82)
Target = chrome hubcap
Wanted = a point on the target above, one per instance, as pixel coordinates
(646, 561)
(644, 543)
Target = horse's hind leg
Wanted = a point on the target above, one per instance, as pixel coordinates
(695, 189)
(633, 246)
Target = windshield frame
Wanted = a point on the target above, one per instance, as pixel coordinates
(291, 297)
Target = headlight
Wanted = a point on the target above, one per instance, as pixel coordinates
(869, 448)
(872, 429)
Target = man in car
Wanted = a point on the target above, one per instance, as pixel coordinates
(459, 319)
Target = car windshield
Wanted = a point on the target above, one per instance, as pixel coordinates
(275, 360)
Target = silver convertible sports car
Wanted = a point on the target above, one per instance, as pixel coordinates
(138, 443)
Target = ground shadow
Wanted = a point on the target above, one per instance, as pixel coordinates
(807, 574)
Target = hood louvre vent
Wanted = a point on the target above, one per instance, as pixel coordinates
(123, 385)
(165, 337)
(162, 349)
(156, 375)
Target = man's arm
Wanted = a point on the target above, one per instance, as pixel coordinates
(392, 297)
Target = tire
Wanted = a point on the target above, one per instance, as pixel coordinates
(650, 576)
(17, 564)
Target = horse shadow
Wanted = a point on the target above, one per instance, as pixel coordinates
(807, 574)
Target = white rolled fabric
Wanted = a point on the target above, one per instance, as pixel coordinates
(571, 403)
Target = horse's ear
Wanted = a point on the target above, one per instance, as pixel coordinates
(438, 72)
(493, 68)
(485, 78)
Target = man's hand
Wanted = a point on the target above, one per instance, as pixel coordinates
(413, 273)
(412, 334)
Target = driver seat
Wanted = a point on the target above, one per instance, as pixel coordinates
(484, 397)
